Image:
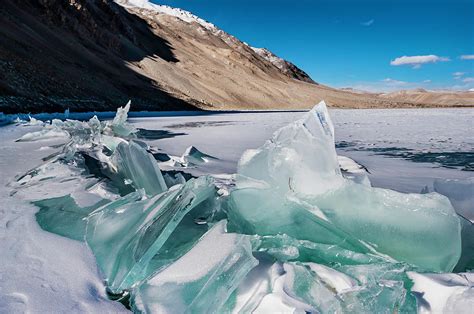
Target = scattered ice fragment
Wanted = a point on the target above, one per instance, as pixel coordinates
(193, 156)
(202, 280)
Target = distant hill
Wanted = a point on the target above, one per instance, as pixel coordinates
(95, 55)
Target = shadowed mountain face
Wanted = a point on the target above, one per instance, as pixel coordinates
(57, 54)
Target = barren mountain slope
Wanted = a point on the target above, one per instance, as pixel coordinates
(94, 55)
(446, 98)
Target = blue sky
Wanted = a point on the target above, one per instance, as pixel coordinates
(357, 43)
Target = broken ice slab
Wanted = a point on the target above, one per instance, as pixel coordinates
(138, 166)
(62, 215)
(200, 281)
(421, 229)
(127, 234)
(299, 176)
(444, 293)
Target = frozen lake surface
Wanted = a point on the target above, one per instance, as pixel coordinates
(403, 149)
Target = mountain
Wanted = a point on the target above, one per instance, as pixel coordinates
(438, 97)
(95, 55)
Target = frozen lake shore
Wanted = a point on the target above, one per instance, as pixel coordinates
(39, 265)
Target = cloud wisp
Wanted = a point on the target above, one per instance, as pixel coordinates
(388, 85)
(466, 57)
(390, 81)
(458, 75)
(417, 61)
(368, 23)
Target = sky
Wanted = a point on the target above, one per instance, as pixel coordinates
(373, 45)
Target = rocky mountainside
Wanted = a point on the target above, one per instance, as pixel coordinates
(96, 54)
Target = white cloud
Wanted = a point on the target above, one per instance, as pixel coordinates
(417, 61)
(458, 74)
(388, 85)
(468, 80)
(368, 23)
(467, 57)
(390, 81)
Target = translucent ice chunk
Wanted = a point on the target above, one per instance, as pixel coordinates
(301, 192)
(137, 165)
(300, 157)
(202, 280)
(126, 234)
(421, 229)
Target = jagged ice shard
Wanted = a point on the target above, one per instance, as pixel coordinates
(293, 185)
(127, 234)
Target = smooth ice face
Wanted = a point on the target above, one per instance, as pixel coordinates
(293, 185)
(421, 229)
(203, 279)
(134, 163)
